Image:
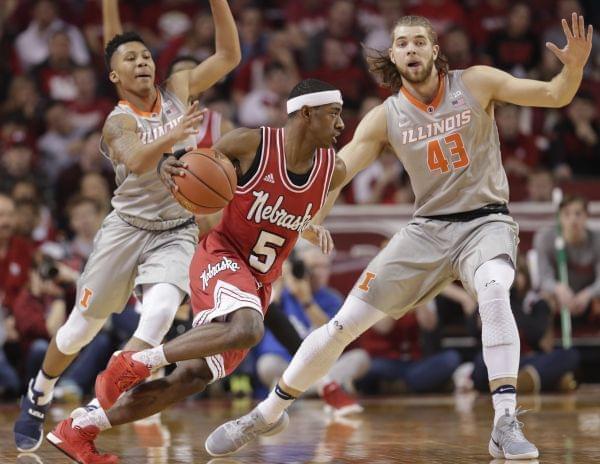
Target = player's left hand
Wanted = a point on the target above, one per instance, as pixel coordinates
(319, 236)
(579, 45)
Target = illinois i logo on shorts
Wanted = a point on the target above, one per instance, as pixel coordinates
(85, 298)
(369, 276)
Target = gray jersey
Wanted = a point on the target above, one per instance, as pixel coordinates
(142, 200)
(449, 148)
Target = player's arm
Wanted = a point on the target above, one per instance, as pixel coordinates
(125, 146)
(365, 147)
(490, 84)
(227, 56)
(111, 20)
(367, 144)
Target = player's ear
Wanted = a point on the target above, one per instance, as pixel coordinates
(436, 51)
(114, 77)
(305, 113)
(391, 55)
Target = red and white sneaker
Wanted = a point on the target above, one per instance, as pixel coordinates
(339, 402)
(121, 374)
(78, 443)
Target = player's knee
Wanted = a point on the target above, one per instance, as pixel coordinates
(498, 325)
(247, 329)
(77, 332)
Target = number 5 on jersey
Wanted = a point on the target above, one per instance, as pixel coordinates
(436, 160)
(264, 251)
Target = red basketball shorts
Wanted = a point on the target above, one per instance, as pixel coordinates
(222, 283)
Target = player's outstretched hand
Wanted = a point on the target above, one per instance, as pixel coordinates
(319, 236)
(579, 45)
(190, 124)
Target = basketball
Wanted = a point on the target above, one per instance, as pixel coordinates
(209, 182)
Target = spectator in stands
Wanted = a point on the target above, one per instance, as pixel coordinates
(540, 184)
(305, 19)
(88, 109)
(18, 164)
(10, 383)
(457, 48)
(542, 367)
(252, 74)
(88, 161)
(196, 43)
(55, 74)
(27, 191)
(253, 39)
(339, 69)
(31, 45)
(340, 25)
(397, 358)
(391, 11)
(379, 182)
(94, 185)
(443, 14)
(265, 107)
(85, 217)
(309, 303)
(581, 295)
(61, 143)
(486, 18)
(39, 311)
(575, 150)
(24, 101)
(16, 254)
(516, 48)
(519, 151)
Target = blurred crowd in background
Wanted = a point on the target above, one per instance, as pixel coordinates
(55, 187)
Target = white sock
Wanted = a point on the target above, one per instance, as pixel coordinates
(503, 402)
(153, 358)
(44, 385)
(94, 403)
(274, 405)
(97, 417)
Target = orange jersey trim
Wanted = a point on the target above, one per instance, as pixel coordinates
(155, 109)
(428, 108)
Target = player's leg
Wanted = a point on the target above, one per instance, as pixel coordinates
(104, 288)
(317, 354)
(486, 266)
(75, 436)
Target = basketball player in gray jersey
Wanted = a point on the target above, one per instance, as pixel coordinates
(441, 126)
(147, 242)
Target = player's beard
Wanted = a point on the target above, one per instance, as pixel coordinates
(421, 76)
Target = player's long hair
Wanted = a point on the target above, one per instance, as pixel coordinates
(386, 71)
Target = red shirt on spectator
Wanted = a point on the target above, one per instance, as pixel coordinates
(14, 269)
(30, 318)
(402, 342)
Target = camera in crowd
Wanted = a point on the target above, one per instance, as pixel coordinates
(47, 268)
(298, 267)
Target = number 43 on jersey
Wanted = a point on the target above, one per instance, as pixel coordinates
(436, 159)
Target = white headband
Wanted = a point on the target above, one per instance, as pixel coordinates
(314, 99)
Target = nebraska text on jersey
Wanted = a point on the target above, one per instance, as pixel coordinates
(276, 215)
(212, 271)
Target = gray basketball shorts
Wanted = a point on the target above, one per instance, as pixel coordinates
(427, 254)
(125, 257)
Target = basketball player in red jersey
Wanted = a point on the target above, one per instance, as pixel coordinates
(284, 176)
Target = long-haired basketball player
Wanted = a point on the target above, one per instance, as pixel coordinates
(285, 175)
(441, 126)
(148, 240)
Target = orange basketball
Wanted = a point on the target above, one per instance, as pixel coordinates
(209, 182)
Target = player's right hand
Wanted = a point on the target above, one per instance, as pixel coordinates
(171, 167)
(190, 124)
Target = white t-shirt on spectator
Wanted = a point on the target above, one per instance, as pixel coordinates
(31, 45)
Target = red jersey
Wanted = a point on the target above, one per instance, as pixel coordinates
(263, 221)
(210, 129)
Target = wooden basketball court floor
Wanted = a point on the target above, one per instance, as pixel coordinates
(408, 429)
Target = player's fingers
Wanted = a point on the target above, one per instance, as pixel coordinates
(553, 48)
(590, 34)
(574, 25)
(193, 107)
(331, 245)
(581, 27)
(566, 29)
